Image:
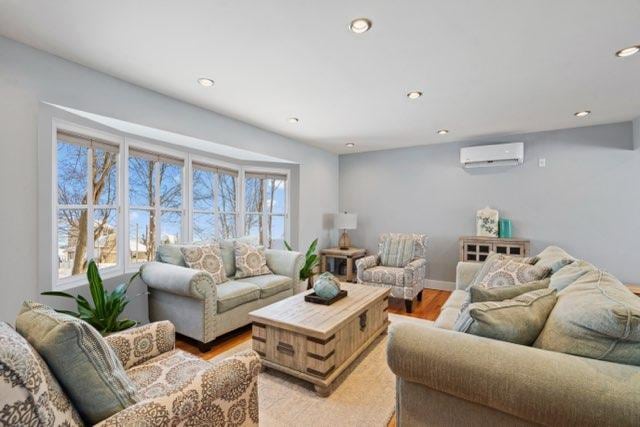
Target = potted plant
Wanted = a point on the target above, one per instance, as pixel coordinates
(311, 260)
(107, 306)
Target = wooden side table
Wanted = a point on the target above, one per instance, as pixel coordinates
(350, 255)
(635, 289)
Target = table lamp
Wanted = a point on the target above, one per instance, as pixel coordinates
(346, 221)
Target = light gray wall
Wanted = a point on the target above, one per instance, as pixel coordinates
(29, 76)
(587, 199)
(636, 133)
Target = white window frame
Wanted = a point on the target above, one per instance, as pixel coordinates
(135, 144)
(264, 215)
(58, 125)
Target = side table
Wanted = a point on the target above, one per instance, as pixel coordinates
(635, 289)
(350, 255)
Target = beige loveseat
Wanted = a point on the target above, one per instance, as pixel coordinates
(449, 378)
(203, 310)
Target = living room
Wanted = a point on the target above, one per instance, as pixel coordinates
(320, 213)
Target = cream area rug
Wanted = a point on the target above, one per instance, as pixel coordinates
(363, 395)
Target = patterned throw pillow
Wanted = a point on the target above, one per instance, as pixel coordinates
(396, 251)
(508, 272)
(250, 260)
(518, 320)
(207, 258)
(80, 358)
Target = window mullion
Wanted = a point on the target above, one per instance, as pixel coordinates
(90, 225)
(158, 210)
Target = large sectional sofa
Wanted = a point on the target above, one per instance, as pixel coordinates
(450, 378)
(203, 310)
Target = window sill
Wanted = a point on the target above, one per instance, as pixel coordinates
(79, 281)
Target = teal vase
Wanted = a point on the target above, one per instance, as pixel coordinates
(505, 228)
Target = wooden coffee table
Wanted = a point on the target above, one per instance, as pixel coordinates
(317, 342)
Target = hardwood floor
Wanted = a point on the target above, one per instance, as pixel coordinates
(428, 308)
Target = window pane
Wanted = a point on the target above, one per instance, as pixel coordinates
(142, 235)
(170, 226)
(203, 182)
(253, 195)
(275, 202)
(141, 182)
(105, 177)
(226, 226)
(253, 226)
(72, 242)
(226, 193)
(276, 231)
(203, 227)
(170, 185)
(105, 233)
(72, 174)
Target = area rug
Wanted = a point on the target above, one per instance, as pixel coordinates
(363, 395)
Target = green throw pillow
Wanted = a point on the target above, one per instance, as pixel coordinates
(170, 254)
(481, 294)
(569, 274)
(555, 258)
(517, 320)
(83, 362)
(596, 317)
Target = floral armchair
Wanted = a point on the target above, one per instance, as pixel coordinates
(406, 282)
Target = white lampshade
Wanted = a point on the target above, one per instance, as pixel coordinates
(346, 221)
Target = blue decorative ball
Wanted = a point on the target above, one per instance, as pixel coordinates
(326, 286)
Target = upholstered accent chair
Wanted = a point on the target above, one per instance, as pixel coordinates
(172, 386)
(405, 280)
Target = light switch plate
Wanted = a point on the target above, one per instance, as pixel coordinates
(542, 163)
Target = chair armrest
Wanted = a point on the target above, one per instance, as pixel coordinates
(206, 400)
(364, 263)
(178, 280)
(465, 273)
(136, 345)
(415, 270)
(545, 387)
(285, 263)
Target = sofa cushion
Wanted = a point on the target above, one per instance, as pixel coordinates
(250, 260)
(518, 320)
(81, 360)
(207, 258)
(30, 393)
(269, 284)
(569, 274)
(481, 294)
(554, 257)
(457, 299)
(234, 293)
(228, 253)
(396, 251)
(596, 317)
(508, 272)
(170, 254)
(392, 276)
(447, 318)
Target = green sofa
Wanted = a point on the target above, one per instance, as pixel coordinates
(202, 310)
(449, 378)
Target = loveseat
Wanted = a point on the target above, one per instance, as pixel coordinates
(203, 310)
(171, 387)
(449, 378)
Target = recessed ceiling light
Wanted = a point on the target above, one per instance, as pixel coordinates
(584, 113)
(293, 120)
(205, 82)
(628, 51)
(360, 25)
(442, 131)
(414, 94)
(350, 145)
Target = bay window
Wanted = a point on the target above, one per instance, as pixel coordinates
(214, 202)
(265, 203)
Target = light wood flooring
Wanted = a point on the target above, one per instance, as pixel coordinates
(428, 308)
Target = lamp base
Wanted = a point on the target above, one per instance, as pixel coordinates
(345, 241)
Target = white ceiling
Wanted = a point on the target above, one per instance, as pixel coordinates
(487, 68)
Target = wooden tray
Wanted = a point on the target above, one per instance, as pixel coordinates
(318, 300)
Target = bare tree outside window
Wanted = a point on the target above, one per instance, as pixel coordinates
(214, 204)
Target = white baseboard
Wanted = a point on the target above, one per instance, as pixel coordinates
(441, 285)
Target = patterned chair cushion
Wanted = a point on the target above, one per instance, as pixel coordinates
(178, 388)
(250, 260)
(397, 251)
(81, 360)
(392, 276)
(31, 396)
(419, 241)
(207, 258)
(140, 344)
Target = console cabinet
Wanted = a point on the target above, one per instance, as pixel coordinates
(476, 248)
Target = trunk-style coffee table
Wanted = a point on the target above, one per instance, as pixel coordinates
(317, 342)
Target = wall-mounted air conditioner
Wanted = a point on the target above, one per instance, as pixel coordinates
(483, 156)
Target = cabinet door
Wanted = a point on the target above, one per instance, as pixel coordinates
(516, 249)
